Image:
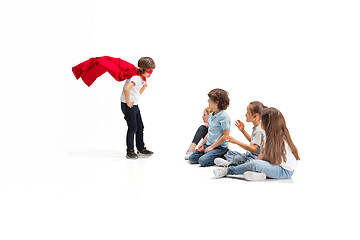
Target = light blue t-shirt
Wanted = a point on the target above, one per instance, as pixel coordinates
(217, 124)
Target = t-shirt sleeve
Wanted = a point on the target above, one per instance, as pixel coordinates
(256, 138)
(136, 80)
(225, 123)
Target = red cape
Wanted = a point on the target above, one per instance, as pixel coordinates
(93, 68)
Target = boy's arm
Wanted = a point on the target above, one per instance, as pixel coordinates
(142, 89)
(219, 141)
(127, 94)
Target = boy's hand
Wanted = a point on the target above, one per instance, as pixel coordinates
(130, 104)
(240, 125)
(208, 149)
(200, 148)
(229, 139)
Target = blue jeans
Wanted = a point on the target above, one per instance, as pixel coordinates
(207, 159)
(236, 158)
(271, 171)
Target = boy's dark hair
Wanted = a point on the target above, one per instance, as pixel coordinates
(144, 63)
(257, 107)
(220, 95)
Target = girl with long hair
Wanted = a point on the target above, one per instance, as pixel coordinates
(279, 156)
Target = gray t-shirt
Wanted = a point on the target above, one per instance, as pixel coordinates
(257, 137)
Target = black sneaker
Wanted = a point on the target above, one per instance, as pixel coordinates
(144, 152)
(131, 154)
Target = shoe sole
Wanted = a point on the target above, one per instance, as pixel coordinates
(254, 176)
(144, 155)
(132, 157)
(218, 174)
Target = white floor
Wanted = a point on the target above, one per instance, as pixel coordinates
(89, 193)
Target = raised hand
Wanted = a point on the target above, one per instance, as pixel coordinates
(240, 125)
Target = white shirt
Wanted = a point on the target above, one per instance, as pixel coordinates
(291, 161)
(134, 91)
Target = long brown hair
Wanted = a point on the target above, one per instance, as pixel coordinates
(276, 134)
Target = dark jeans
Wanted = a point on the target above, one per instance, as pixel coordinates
(200, 133)
(135, 127)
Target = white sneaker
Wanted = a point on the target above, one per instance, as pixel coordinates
(254, 176)
(221, 162)
(188, 155)
(220, 172)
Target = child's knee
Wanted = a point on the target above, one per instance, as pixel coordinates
(132, 127)
(193, 159)
(253, 166)
(132, 131)
(202, 129)
(238, 159)
(205, 161)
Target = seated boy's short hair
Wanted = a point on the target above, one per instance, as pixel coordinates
(220, 95)
(145, 62)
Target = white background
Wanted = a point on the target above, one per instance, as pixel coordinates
(63, 171)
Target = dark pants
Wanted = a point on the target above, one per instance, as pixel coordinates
(200, 133)
(135, 127)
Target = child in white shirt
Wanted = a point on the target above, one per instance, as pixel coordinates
(133, 88)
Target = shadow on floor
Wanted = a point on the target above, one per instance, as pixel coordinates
(240, 177)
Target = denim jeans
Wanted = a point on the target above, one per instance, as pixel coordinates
(207, 159)
(271, 171)
(135, 127)
(236, 158)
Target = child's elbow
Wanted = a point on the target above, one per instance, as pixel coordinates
(253, 149)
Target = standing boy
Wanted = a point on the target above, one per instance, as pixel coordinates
(133, 88)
